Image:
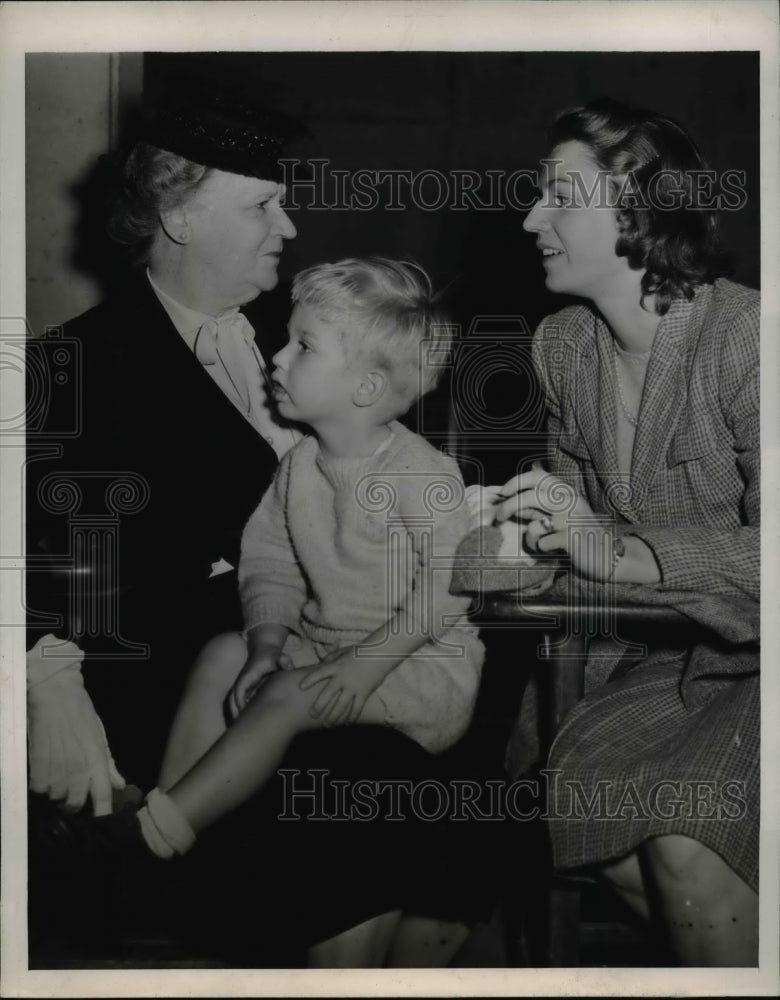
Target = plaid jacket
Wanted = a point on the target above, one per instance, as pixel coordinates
(693, 492)
(693, 496)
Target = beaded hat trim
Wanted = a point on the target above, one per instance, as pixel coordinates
(221, 131)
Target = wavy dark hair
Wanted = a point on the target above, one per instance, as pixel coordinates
(652, 162)
(151, 181)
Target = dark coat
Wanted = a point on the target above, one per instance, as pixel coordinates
(151, 418)
(163, 463)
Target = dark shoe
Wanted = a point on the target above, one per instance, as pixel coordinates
(129, 797)
(75, 877)
(79, 838)
(98, 884)
(49, 827)
(53, 829)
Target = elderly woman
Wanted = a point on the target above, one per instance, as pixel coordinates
(653, 479)
(178, 438)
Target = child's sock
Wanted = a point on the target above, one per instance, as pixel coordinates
(164, 826)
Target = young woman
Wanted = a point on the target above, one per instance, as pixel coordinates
(653, 399)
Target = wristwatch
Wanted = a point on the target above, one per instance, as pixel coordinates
(618, 551)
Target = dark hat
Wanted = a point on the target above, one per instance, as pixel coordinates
(220, 128)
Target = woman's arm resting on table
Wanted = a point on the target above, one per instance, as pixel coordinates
(560, 520)
(717, 560)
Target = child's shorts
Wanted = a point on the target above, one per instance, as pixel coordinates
(429, 697)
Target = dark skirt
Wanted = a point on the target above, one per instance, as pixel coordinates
(291, 869)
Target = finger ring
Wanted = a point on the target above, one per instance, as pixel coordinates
(547, 524)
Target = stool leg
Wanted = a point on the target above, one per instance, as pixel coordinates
(567, 675)
(567, 657)
(563, 926)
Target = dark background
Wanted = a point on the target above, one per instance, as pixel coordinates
(470, 111)
(478, 111)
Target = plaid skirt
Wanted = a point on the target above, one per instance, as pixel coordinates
(632, 761)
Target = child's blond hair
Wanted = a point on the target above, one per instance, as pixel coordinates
(391, 318)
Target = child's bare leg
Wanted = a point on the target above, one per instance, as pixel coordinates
(199, 721)
(247, 754)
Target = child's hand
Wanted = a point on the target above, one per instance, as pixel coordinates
(537, 495)
(257, 667)
(480, 501)
(347, 683)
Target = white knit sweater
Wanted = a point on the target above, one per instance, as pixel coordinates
(336, 547)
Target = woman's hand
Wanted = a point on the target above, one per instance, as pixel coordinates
(558, 519)
(537, 494)
(347, 683)
(69, 757)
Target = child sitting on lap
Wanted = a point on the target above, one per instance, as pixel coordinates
(346, 563)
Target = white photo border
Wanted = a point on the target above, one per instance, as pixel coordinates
(580, 25)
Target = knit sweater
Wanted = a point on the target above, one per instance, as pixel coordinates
(337, 546)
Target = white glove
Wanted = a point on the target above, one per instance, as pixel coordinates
(68, 751)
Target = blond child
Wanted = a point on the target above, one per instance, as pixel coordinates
(346, 563)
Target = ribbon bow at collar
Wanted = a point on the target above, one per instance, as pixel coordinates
(207, 339)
